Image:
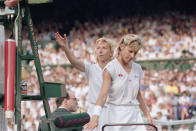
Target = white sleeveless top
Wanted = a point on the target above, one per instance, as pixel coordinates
(125, 86)
(94, 74)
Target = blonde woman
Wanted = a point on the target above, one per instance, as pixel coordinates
(121, 82)
(103, 53)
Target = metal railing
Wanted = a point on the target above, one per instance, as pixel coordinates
(169, 124)
(131, 124)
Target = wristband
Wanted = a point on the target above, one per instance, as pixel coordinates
(97, 110)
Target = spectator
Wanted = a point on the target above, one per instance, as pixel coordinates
(173, 101)
(171, 88)
(192, 104)
(184, 105)
(65, 105)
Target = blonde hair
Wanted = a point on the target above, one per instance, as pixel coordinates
(105, 40)
(108, 42)
(130, 39)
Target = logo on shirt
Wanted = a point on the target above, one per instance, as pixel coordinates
(120, 75)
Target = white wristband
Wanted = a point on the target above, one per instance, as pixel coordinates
(97, 110)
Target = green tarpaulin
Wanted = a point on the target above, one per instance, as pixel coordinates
(39, 1)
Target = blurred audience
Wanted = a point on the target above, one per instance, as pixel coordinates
(172, 35)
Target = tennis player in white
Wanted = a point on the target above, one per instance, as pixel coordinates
(104, 54)
(121, 82)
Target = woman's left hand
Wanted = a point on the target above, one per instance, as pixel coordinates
(92, 124)
(151, 121)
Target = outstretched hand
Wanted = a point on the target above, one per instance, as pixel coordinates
(61, 40)
(92, 124)
(11, 3)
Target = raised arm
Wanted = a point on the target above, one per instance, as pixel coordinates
(62, 41)
(11, 3)
(100, 101)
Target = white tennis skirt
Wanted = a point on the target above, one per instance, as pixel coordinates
(124, 115)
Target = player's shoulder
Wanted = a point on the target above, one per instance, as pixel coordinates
(136, 65)
(111, 63)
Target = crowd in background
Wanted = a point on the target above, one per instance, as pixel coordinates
(170, 94)
(170, 36)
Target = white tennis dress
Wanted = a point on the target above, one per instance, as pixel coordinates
(94, 73)
(123, 106)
